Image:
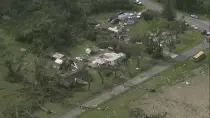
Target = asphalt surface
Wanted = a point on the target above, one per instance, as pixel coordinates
(146, 75)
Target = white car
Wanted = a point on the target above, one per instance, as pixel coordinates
(194, 27)
(194, 16)
(208, 34)
(139, 14)
(131, 14)
(139, 3)
(138, 17)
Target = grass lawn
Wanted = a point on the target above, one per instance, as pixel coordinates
(8, 95)
(189, 39)
(204, 17)
(120, 106)
(139, 28)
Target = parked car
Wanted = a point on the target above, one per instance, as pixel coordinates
(194, 16)
(115, 21)
(138, 17)
(122, 12)
(194, 27)
(138, 2)
(203, 32)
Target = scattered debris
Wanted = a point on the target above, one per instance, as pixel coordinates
(152, 90)
(80, 81)
(75, 65)
(113, 29)
(59, 61)
(22, 49)
(6, 18)
(97, 26)
(79, 58)
(137, 68)
(88, 51)
(58, 55)
(186, 82)
(110, 58)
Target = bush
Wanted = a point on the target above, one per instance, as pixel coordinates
(137, 113)
(90, 35)
(108, 73)
(150, 14)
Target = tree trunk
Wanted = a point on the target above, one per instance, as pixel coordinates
(16, 112)
(138, 61)
(89, 83)
(115, 74)
(102, 78)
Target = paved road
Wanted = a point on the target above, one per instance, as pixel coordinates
(146, 75)
(192, 21)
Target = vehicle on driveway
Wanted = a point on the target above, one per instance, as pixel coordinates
(194, 16)
(203, 32)
(194, 27)
(138, 2)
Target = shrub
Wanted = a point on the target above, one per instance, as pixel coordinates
(150, 14)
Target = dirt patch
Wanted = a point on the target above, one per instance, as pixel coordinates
(185, 100)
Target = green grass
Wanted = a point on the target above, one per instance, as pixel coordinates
(8, 95)
(132, 65)
(120, 106)
(204, 17)
(189, 39)
(139, 28)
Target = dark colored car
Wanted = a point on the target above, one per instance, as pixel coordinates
(203, 32)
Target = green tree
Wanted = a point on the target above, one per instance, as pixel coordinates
(169, 10)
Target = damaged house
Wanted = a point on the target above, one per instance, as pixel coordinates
(110, 58)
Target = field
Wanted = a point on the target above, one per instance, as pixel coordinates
(121, 106)
(189, 39)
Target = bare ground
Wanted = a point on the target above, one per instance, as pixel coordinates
(181, 100)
